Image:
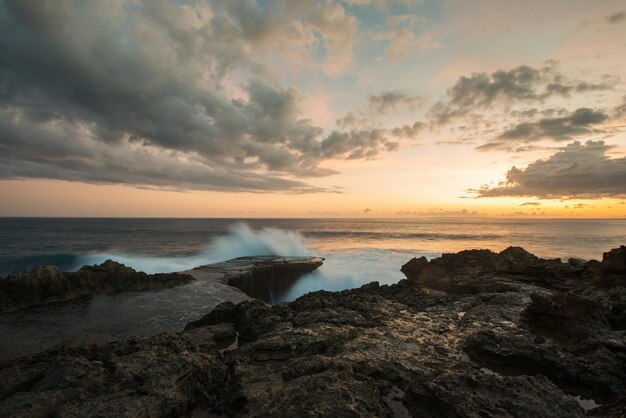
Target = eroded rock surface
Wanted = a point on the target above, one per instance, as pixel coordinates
(43, 285)
(473, 334)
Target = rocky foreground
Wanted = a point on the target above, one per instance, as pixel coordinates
(474, 334)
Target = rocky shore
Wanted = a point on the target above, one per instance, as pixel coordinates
(48, 284)
(475, 334)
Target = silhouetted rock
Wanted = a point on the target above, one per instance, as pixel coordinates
(48, 284)
(475, 333)
(414, 267)
(614, 261)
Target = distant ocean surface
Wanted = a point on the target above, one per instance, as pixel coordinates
(157, 245)
(357, 251)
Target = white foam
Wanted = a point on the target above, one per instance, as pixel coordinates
(241, 241)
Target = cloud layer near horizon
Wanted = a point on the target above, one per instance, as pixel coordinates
(577, 171)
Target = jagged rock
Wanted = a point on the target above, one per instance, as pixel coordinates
(614, 261)
(159, 376)
(487, 338)
(473, 271)
(43, 285)
(414, 267)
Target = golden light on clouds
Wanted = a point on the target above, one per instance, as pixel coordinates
(201, 108)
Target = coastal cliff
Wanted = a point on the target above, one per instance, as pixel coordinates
(475, 333)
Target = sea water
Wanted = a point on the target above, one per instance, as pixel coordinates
(357, 251)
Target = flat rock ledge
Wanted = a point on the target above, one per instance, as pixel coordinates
(472, 334)
(43, 285)
(266, 278)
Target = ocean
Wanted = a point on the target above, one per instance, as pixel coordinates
(357, 251)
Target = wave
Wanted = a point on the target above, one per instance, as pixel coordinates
(240, 241)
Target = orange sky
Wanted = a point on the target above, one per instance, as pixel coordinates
(62, 198)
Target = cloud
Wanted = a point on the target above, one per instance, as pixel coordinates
(481, 90)
(69, 152)
(580, 122)
(620, 111)
(512, 109)
(356, 144)
(403, 41)
(441, 212)
(405, 19)
(578, 171)
(384, 4)
(408, 131)
(170, 94)
(393, 100)
(523, 84)
(352, 120)
(530, 204)
(616, 17)
(380, 105)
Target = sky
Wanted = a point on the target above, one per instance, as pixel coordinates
(302, 108)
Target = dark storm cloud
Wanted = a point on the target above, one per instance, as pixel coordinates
(616, 17)
(578, 171)
(137, 93)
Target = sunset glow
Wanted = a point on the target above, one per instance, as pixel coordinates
(313, 109)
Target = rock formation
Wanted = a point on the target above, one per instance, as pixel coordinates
(43, 285)
(475, 333)
(267, 278)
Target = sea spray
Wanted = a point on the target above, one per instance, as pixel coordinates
(347, 269)
(240, 241)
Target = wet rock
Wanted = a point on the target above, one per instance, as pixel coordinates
(470, 334)
(43, 285)
(159, 376)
